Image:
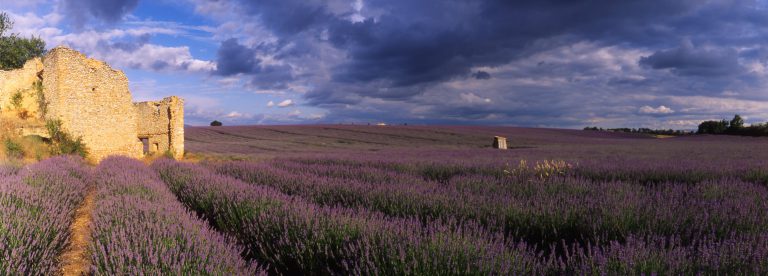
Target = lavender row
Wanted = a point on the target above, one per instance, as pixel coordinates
(541, 212)
(36, 208)
(666, 246)
(295, 236)
(665, 255)
(140, 228)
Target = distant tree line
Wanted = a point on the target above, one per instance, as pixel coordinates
(671, 132)
(733, 127)
(723, 127)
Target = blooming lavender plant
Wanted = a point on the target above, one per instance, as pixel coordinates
(36, 209)
(557, 214)
(140, 228)
(296, 236)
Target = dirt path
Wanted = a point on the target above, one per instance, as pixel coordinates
(76, 260)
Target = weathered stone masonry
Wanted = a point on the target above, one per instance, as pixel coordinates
(93, 102)
(161, 124)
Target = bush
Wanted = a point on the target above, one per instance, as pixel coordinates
(216, 123)
(16, 99)
(62, 143)
(13, 149)
(42, 103)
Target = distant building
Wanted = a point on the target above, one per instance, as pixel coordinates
(499, 142)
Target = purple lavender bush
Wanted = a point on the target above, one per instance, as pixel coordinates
(630, 204)
(37, 206)
(140, 228)
(296, 236)
(575, 221)
(541, 211)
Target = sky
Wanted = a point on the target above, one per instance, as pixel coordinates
(546, 63)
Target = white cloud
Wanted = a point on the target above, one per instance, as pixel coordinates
(99, 44)
(657, 110)
(684, 123)
(473, 98)
(234, 114)
(285, 103)
(270, 104)
(357, 16)
(159, 58)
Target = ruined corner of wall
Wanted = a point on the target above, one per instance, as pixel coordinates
(93, 102)
(161, 126)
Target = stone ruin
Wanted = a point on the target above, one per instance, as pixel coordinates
(92, 101)
(499, 142)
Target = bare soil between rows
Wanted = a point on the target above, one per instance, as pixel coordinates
(76, 259)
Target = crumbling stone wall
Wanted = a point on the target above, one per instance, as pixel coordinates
(23, 113)
(161, 123)
(92, 101)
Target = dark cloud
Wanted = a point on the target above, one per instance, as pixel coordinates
(418, 42)
(80, 11)
(403, 49)
(687, 60)
(481, 75)
(128, 45)
(272, 77)
(287, 17)
(425, 42)
(233, 58)
(159, 65)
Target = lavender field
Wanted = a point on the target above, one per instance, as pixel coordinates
(402, 200)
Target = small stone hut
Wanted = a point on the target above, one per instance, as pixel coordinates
(93, 101)
(499, 142)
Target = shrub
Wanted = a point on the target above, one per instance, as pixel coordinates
(13, 149)
(62, 142)
(16, 99)
(216, 123)
(42, 103)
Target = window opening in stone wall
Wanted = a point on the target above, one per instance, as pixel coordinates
(155, 147)
(145, 143)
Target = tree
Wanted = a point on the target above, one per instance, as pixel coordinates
(216, 123)
(737, 122)
(713, 127)
(15, 50)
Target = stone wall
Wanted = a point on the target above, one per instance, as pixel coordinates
(24, 115)
(499, 142)
(92, 101)
(161, 123)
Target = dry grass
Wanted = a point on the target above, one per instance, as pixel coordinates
(76, 260)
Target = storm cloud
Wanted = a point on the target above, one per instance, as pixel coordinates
(233, 58)
(421, 57)
(80, 11)
(634, 63)
(687, 60)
